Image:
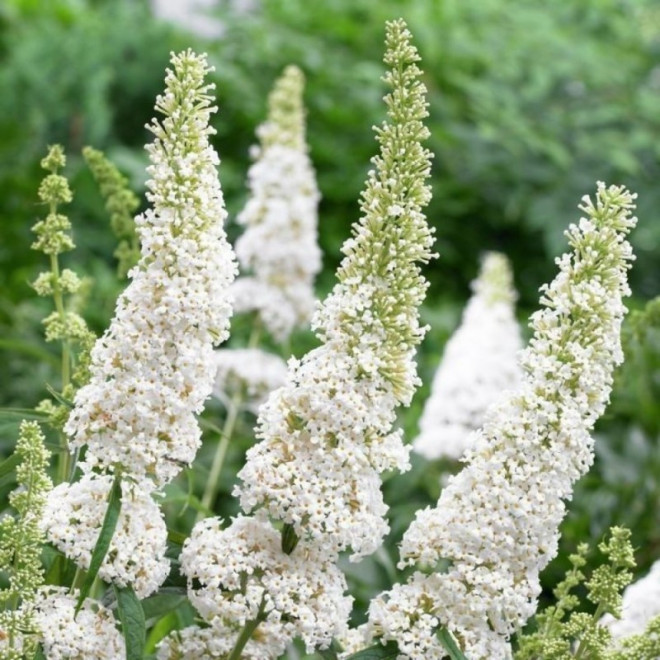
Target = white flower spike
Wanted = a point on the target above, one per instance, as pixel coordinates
(496, 523)
(153, 368)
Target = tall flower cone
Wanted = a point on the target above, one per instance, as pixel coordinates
(327, 433)
(280, 243)
(496, 523)
(153, 368)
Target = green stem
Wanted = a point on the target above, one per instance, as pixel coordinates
(211, 488)
(246, 633)
(579, 651)
(78, 579)
(63, 464)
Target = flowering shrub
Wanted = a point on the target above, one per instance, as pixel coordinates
(100, 565)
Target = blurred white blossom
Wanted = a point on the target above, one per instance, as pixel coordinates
(641, 603)
(479, 364)
(279, 246)
(217, 641)
(250, 370)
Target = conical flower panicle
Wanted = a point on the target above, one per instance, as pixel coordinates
(279, 250)
(153, 368)
(497, 521)
(286, 115)
(479, 365)
(339, 404)
(383, 258)
(327, 433)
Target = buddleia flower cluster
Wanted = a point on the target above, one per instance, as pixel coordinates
(153, 368)
(65, 633)
(20, 546)
(479, 364)
(279, 246)
(495, 526)
(121, 202)
(326, 435)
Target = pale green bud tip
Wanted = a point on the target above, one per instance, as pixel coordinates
(399, 49)
(185, 84)
(495, 281)
(34, 456)
(55, 159)
(612, 208)
(121, 203)
(619, 549)
(286, 114)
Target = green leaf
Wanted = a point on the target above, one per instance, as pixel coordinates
(450, 644)
(330, 653)
(7, 466)
(160, 630)
(289, 539)
(165, 601)
(39, 655)
(103, 542)
(377, 652)
(18, 414)
(175, 537)
(132, 620)
(58, 397)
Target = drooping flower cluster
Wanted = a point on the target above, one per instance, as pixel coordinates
(137, 551)
(279, 245)
(496, 523)
(252, 371)
(21, 545)
(90, 634)
(479, 364)
(153, 368)
(326, 434)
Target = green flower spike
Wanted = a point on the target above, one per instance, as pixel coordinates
(20, 546)
(121, 202)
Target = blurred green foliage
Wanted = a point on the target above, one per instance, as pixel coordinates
(530, 104)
